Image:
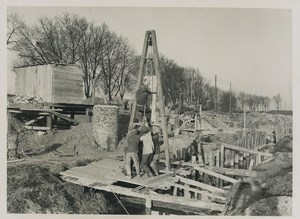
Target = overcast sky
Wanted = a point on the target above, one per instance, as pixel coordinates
(251, 48)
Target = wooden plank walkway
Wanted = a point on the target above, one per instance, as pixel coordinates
(104, 175)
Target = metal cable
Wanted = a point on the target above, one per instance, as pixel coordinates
(121, 203)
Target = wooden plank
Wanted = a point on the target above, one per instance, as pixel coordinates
(134, 181)
(268, 160)
(88, 177)
(40, 110)
(14, 111)
(154, 196)
(59, 115)
(236, 148)
(67, 84)
(15, 161)
(211, 173)
(110, 164)
(235, 172)
(204, 193)
(157, 178)
(201, 185)
(40, 128)
(34, 120)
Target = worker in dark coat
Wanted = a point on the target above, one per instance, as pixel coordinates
(141, 96)
(133, 140)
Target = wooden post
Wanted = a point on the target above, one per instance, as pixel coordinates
(217, 153)
(186, 191)
(236, 160)
(8, 122)
(175, 191)
(49, 121)
(140, 75)
(160, 96)
(222, 154)
(148, 206)
(72, 115)
(251, 164)
(232, 155)
(179, 155)
(183, 155)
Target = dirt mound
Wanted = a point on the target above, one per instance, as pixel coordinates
(77, 140)
(284, 145)
(35, 189)
(274, 178)
(273, 206)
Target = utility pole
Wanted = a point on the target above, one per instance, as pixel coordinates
(216, 95)
(244, 131)
(230, 100)
(191, 88)
(192, 82)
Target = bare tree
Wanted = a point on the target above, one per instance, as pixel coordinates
(91, 55)
(242, 97)
(277, 100)
(225, 99)
(250, 101)
(115, 64)
(173, 79)
(14, 25)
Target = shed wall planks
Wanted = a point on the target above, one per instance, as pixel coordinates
(35, 81)
(67, 84)
(53, 83)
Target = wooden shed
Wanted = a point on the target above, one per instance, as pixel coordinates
(53, 83)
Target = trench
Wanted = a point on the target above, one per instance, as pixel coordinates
(37, 188)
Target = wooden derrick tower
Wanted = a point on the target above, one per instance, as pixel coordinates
(150, 74)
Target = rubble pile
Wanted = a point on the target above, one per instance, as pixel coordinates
(27, 99)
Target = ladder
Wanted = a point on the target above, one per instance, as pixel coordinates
(150, 43)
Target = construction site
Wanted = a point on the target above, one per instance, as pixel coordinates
(70, 155)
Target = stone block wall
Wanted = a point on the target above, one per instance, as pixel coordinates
(105, 126)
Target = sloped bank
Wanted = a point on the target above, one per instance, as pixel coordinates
(37, 188)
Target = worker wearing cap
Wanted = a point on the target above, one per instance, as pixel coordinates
(133, 140)
(148, 147)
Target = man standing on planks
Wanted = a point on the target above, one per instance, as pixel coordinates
(154, 157)
(148, 147)
(133, 140)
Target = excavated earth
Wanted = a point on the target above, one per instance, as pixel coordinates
(270, 193)
(34, 185)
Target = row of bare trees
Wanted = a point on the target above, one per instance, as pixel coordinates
(258, 103)
(109, 62)
(105, 57)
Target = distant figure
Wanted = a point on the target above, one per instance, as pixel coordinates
(126, 105)
(141, 102)
(274, 137)
(148, 147)
(133, 139)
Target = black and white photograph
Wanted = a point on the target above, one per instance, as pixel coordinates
(114, 110)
